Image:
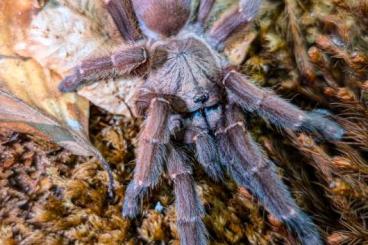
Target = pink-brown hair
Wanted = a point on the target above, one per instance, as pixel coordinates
(165, 17)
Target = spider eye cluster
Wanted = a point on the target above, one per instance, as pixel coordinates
(162, 17)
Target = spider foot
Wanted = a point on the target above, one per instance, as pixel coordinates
(302, 225)
(318, 121)
(70, 84)
(132, 198)
(250, 168)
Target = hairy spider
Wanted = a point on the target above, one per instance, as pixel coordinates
(192, 98)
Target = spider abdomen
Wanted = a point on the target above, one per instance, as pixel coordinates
(188, 73)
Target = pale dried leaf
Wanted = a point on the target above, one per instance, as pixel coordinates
(36, 101)
(66, 32)
(237, 47)
(114, 96)
(17, 115)
(63, 34)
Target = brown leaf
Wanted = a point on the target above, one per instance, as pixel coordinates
(15, 114)
(238, 46)
(29, 96)
(30, 101)
(65, 32)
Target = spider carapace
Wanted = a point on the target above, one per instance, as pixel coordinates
(193, 102)
(190, 71)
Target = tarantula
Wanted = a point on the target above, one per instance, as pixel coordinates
(192, 98)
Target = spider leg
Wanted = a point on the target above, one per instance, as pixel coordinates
(189, 210)
(205, 7)
(120, 63)
(207, 155)
(250, 168)
(151, 155)
(123, 15)
(252, 98)
(232, 19)
(201, 137)
(205, 144)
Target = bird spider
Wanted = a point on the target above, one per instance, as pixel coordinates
(193, 98)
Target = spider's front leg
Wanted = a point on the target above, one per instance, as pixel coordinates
(121, 63)
(264, 102)
(250, 168)
(151, 155)
(123, 15)
(233, 19)
(189, 210)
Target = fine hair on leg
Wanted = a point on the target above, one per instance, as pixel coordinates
(250, 168)
(283, 114)
(202, 125)
(162, 17)
(151, 154)
(121, 63)
(232, 19)
(123, 15)
(189, 210)
(205, 7)
(207, 155)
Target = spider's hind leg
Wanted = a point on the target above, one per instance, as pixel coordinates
(250, 168)
(189, 209)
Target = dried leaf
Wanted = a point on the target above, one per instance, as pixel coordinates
(237, 48)
(65, 32)
(30, 101)
(113, 96)
(15, 114)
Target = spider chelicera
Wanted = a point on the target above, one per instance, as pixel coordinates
(193, 100)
